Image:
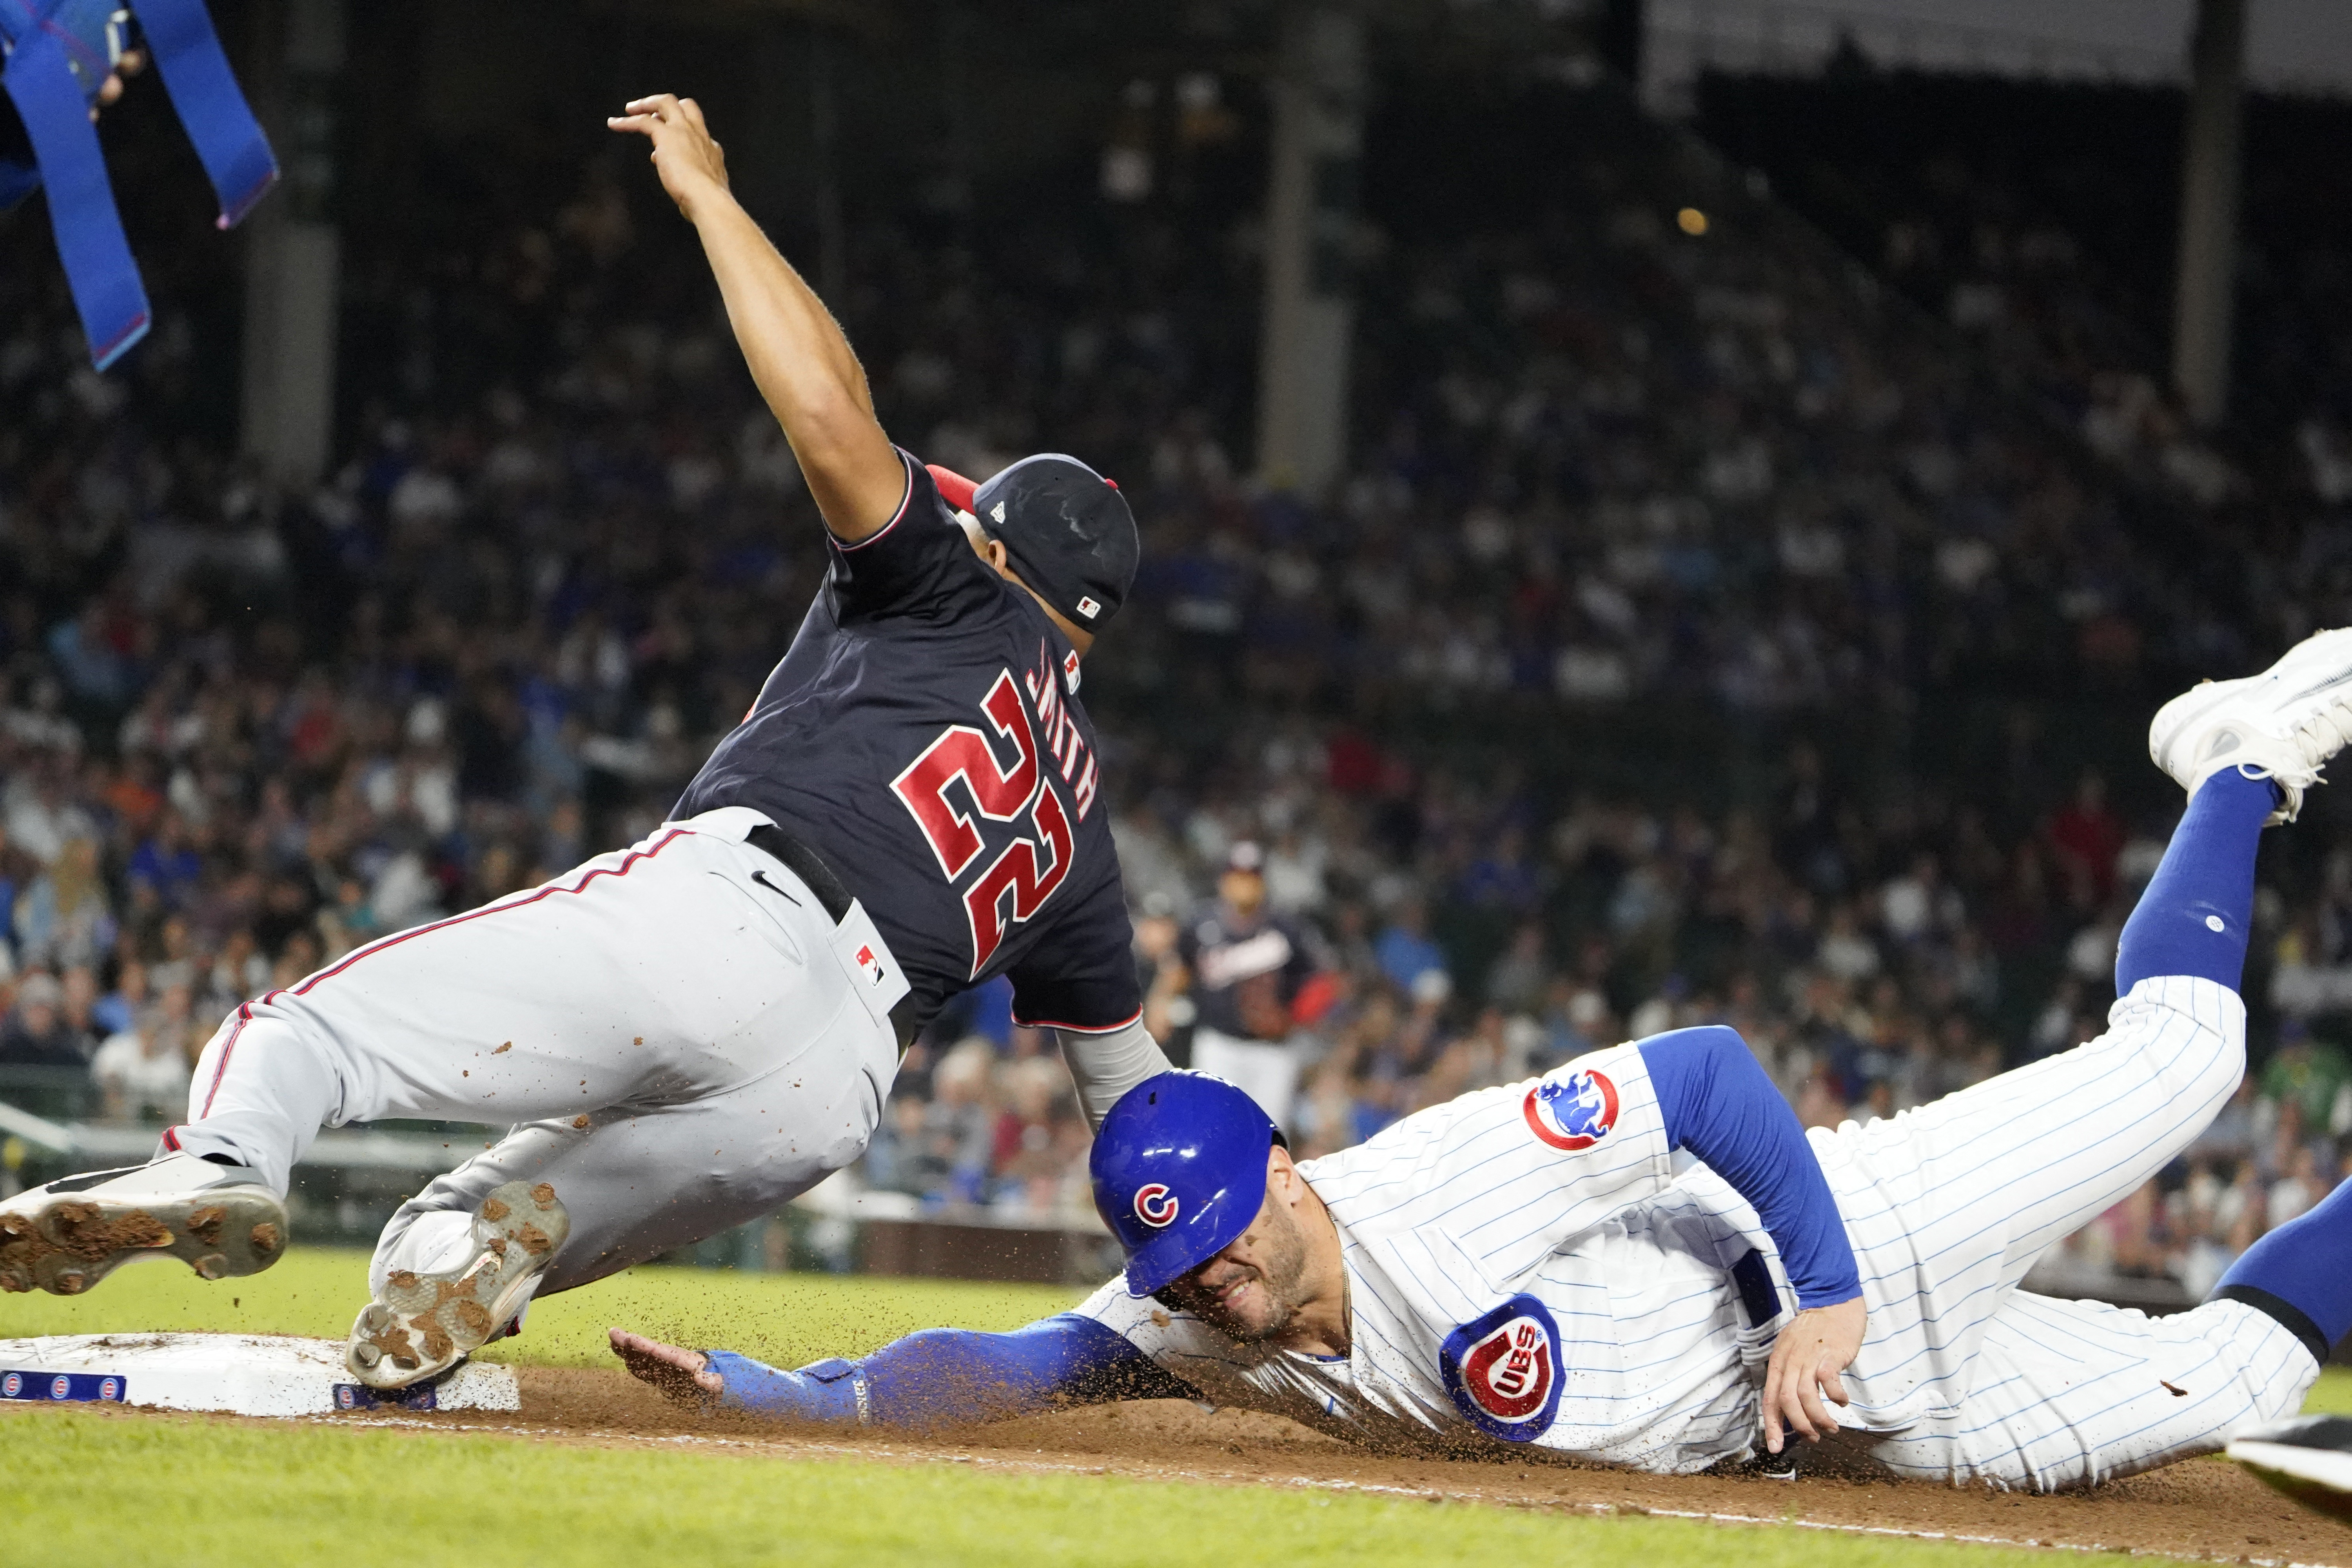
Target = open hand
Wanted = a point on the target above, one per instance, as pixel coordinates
(1819, 1343)
(683, 1376)
(692, 165)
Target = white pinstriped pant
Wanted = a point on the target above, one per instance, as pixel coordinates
(1964, 1377)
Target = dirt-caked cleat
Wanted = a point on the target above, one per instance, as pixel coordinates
(2281, 725)
(2308, 1457)
(421, 1324)
(68, 1235)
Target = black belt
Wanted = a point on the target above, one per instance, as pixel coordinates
(804, 863)
(809, 866)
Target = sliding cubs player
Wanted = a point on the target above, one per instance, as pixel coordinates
(688, 1033)
(1523, 1266)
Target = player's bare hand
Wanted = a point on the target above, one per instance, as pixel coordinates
(1819, 1343)
(682, 1375)
(691, 164)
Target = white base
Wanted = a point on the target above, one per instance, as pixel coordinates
(245, 1375)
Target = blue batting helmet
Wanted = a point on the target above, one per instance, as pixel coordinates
(1179, 1172)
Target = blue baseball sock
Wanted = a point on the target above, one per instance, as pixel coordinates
(2196, 914)
(2193, 920)
(2301, 1274)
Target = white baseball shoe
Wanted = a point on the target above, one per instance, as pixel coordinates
(2280, 725)
(425, 1323)
(68, 1235)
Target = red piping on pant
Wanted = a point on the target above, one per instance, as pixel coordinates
(244, 1010)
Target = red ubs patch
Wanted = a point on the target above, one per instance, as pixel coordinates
(1503, 1370)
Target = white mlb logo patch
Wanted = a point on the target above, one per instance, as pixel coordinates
(1088, 608)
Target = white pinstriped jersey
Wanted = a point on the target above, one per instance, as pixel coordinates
(1521, 1264)
(1514, 1276)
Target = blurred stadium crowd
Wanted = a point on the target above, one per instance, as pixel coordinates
(1631, 456)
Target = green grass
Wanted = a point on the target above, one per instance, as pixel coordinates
(85, 1487)
(790, 1319)
(2332, 1396)
(113, 1487)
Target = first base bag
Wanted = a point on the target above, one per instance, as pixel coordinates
(59, 54)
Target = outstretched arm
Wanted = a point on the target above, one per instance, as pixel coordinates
(938, 1377)
(1106, 1063)
(1719, 1103)
(803, 364)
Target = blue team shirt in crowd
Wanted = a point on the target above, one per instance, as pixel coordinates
(923, 735)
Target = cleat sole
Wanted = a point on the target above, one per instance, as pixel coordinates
(71, 1243)
(426, 1323)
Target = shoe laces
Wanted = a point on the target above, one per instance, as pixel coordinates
(2324, 733)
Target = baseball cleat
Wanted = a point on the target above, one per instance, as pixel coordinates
(68, 1235)
(2308, 1457)
(2280, 725)
(425, 1323)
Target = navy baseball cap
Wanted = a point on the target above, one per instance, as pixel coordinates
(1179, 1171)
(1066, 530)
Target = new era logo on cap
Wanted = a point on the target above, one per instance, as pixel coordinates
(1089, 606)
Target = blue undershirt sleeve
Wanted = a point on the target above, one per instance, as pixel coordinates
(1719, 1103)
(949, 1376)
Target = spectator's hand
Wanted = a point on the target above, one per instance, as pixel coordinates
(1819, 1343)
(132, 62)
(683, 1376)
(692, 165)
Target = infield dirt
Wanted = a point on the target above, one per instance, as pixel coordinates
(2206, 1508)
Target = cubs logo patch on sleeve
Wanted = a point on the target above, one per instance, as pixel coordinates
(1503, 1370)
(1574, 1112)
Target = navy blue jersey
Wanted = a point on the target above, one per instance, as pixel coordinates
(1246, 972)
(923, 734)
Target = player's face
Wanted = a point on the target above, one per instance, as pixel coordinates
(1245, 890)
(1251, 1291)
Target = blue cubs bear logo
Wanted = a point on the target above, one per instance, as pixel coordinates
(1574, 1112)
(1501, 1370)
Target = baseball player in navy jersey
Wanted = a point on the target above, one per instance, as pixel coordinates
(1531, 1265)
(692, 1031)
(1247, 964)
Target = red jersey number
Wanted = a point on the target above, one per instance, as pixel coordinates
(1017, 883)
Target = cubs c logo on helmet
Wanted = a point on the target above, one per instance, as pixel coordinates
(1574, 1112)
(1155, 1205)
(1503, 1370)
